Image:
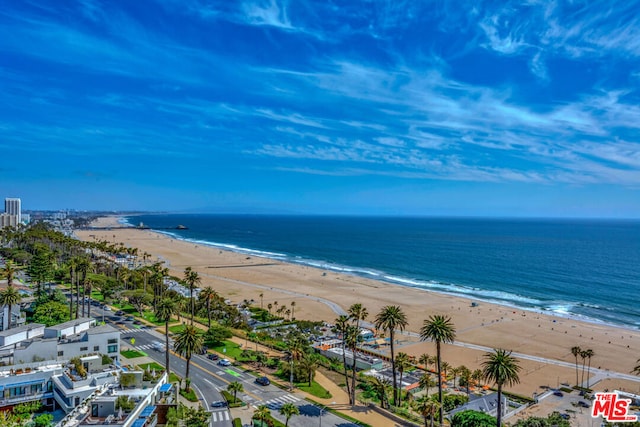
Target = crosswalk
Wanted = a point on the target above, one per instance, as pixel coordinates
(135, 330)
(145, 347)
(277, 402)
(220, 416)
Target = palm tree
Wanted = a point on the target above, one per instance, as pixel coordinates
(341, 328)
(583, 356)
(426, 382)
(166, 308)
(357, 313)
(427, 408)
(636, 369)
(424, 360)
(402, 363)
(262, 413)
(188, 341)
(575, 350)
(380, 386)
(465, 375)
(10, 297)
(288, 410)
(588, 354)
(192, 279)
(390, 318)
(501, 368)
(208, 294)
(234, 388)
(261, 299)
(454, 373)
(438, 329)
(269, 307)
(293, 307)
(309, 363)
(9, 271)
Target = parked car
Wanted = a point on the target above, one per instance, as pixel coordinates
(213, 356)
(583, 404)
(558, 393)
(263, 381)
(120, 313)
(106, 308)
(219, 404)
(224, 362)
(130, 318)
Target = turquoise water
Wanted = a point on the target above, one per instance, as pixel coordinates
(584, 268)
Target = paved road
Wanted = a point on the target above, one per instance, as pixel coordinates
(208, 379)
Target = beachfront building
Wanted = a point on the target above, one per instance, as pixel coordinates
(485, 403)
(14, 319)
(333, 350)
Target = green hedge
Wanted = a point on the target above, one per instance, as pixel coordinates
(237, 422)
(237, 403)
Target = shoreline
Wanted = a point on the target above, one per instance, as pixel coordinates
(539, 335)
(382, 277)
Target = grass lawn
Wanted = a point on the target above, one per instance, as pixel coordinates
(190, 396)
(176, 328)
(315, 390)
(173, 378)
(152, 365)
(232, 349)
(130, 354)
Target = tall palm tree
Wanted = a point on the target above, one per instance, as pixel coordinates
(402, 363)
(465, 376)
(293, 308)
(9, 297)
(188, 341)
(208, 294)
(588, 354)
(438, 329)
(235, 387)
(575, 350)
(341, 327)
(427, 408)
(309, 363)
(390, 318)
(380, 386)
(9, 271)
(288, 410)
(583, 356)
(166, 308)
(261, 299)
(501, 368)
(357, 313)
(192, 279)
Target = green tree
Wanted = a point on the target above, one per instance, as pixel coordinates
(588, 354)
(471, 418)
(427, 408)
(216, 334)
(309, 364)
(196, 417)
(9, 272)
(41, 266)
(426, 382)
(500, 368)
(380, 387)
(43, 420)
(192, 279)
(187, 342)
(164, 310)
(139, 299)
(438, 329)
(51, 313)
(235, 387)
(357, 313)
(390, 318)
(262, 413)
(288, 410)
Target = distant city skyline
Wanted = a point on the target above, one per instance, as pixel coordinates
(430, 108)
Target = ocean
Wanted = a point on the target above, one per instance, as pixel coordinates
(588, 269)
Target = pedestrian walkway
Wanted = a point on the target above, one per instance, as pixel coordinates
(221, 417)
(135, 330)
(276, 403)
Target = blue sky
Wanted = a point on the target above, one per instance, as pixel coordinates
(500, 108)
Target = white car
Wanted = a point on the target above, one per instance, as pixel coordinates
(224, 362)
(158, 346)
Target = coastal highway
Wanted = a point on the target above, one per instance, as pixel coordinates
(208, 379)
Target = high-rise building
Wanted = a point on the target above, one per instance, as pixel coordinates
(13, 206)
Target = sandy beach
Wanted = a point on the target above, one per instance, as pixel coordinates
(316, 292)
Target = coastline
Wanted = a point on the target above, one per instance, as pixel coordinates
(537, 334)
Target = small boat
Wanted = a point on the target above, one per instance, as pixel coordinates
(181, 227)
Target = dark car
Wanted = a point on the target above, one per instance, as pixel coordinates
(584, 404)
(120, 313)
(565, 416)
(263, 381)
(219, 404)
(212, 356)
(130, 318)
(558, 393)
